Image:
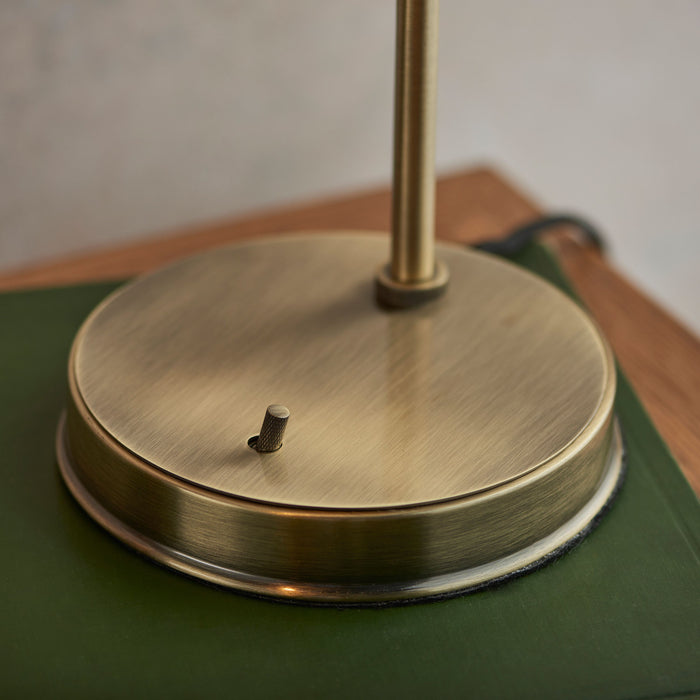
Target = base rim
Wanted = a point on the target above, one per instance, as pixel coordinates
(532, 557)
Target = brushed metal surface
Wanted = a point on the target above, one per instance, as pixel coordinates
(391, 409)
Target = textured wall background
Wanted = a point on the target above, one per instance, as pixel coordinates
(122, 117)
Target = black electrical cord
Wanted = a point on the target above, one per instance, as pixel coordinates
(511, 244)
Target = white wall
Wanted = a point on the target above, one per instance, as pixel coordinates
(122, 117)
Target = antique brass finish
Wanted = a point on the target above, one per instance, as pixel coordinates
(413, 277)
(433, 448)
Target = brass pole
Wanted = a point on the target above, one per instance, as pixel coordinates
(413, 276)
(413, 205)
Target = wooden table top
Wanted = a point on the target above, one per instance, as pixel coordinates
(659, 355)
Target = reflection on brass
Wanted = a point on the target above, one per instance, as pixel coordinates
(413, 276)
(432, 448)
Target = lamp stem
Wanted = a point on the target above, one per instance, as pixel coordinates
(413, 197)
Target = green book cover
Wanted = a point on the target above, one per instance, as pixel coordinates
(83, 616)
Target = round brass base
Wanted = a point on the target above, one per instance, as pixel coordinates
(428, 450)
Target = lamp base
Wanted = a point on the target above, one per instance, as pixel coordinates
(428, 450)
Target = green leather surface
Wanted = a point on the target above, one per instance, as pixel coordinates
(82, 616)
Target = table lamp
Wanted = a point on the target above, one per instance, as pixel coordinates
(299, 418)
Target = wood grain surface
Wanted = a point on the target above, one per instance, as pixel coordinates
(660, 356)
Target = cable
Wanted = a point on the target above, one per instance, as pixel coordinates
(510, 245)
